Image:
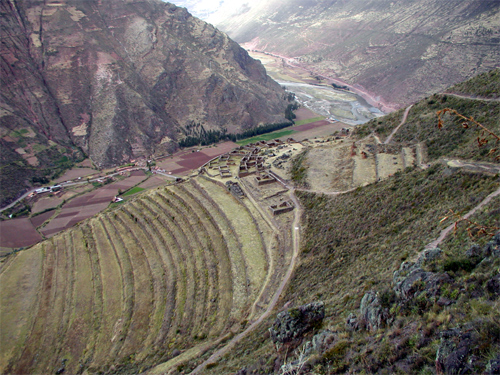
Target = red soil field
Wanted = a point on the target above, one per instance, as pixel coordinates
(155, 181)
(18, 233)
(46, 202)
(90, 204)
(40, 219)
(186, 160)
(180, 171)
(304, 113)
(75, 173)
(311, 125)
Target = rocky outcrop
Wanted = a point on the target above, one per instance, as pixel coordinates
(411, 278)
(293, 323)
(119, 79)
(453, 351)
(371, 311)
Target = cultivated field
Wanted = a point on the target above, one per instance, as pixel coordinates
(89, 204)
(17, 233)
(171, 270)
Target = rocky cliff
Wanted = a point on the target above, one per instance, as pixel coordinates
(118, 79)
(401, 51)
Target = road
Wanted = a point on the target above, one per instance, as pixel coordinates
(62, 185)
(73, 184)
(463, 96)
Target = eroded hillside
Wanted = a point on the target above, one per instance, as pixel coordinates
(400, 51)
(117, 80)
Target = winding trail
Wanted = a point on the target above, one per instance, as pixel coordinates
(296, 241)
(403, 120)
(464, 96)
(447, 230)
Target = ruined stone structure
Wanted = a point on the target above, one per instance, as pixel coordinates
(278, 209)
(235, 189)
(265, 178)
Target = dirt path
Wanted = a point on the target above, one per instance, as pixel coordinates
(296, 241)
(403, 120)
(463, 96)
(447, 230)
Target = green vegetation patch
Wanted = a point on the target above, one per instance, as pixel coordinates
(486, 85)
(132, 191)
(266, 137)
(308, 121)
(453, 140)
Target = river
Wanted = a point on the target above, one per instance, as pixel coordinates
(340, 105)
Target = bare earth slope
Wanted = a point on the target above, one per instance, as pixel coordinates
(119, 79)
(402, 51)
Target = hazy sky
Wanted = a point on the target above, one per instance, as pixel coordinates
(206, 9)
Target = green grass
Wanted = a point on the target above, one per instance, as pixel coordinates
(453, 140)
(309, 120)
(484, 85)
(132, 191)
(265, 137)
(354, 242)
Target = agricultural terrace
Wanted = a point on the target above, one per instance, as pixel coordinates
(171, 271)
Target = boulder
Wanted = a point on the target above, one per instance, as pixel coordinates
(352, 323)
(371, 310)
(411, 278)
(322, 341)
(419, 280)
(474, 251)
(427, 256)
(293, 323)
(453, 352)
(319, 343)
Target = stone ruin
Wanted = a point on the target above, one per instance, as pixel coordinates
(264, 179)
(235, 189)
(281, 208)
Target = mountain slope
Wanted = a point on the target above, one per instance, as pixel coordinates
(352, 243)
(118, 79)
(401, 51)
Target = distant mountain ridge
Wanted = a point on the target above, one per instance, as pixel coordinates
(401, 51)
(118, 79)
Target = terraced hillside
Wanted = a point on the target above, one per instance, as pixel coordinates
(172, 271)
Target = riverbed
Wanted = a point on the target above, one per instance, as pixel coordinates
(318, 94)
(334, 104)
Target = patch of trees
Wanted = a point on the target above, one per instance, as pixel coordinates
(335, 86)
(289, 115)
(198, 136)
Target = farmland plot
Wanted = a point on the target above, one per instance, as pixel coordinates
(169, 271)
